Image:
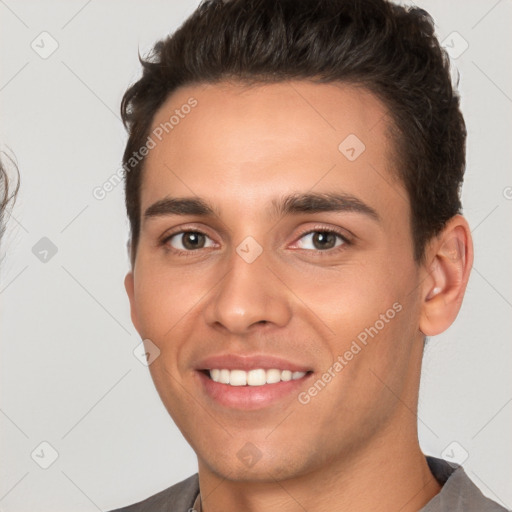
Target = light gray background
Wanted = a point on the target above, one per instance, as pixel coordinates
(68, 374)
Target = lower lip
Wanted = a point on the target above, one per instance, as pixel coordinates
(250, 397)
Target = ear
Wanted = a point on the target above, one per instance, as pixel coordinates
(129, 285)
(449, 258)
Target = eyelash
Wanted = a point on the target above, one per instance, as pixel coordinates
(317, 229)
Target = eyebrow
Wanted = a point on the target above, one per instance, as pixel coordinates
(320, 202)
(291, 204)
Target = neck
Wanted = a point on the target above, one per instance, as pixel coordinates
(391, 474)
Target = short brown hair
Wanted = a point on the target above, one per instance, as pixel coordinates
(388, 49)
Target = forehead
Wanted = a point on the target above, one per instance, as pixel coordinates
(292, 109)
(240, 141)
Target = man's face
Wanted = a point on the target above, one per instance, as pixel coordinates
(256, 286)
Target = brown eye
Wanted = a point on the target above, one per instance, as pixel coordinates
(321, 240)
(189, 241)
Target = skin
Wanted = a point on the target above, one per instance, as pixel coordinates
(354, 446)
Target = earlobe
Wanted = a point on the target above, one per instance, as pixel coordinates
(451, 257)
(129, 286)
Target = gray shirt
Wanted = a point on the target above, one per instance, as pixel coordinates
(458, 494)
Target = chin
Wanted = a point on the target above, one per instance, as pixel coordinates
(250, 465)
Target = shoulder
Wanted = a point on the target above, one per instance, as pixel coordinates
(465, 494)
(181, 496)
(458, 493)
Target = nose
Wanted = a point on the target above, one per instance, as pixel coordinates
(249, 295)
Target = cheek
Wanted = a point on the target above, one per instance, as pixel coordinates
(368, 315)
(351, 298)
(164, 298)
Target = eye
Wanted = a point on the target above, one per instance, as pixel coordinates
(189, 241)
(321, 240)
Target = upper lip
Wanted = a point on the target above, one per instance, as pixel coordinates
(250, 362)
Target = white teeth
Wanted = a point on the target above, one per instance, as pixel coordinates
(257, 377)
(273, 376)
(224, 377)
(286, 375)
(238, 378)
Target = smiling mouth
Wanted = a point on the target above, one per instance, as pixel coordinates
(256, 377)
